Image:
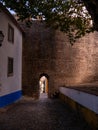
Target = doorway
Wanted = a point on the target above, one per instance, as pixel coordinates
(43, 87)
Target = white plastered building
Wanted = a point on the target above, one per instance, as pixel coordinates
(10, 59)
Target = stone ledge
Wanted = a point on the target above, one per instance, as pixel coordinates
(87, 100)
(90, 117)
(91, 88)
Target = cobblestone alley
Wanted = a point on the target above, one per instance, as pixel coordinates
(43, 114)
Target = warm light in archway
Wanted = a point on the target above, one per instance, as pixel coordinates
(43, 83)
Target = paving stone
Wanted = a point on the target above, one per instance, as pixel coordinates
(42, 114)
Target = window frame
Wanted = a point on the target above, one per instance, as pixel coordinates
(10, 67)
(10, 33)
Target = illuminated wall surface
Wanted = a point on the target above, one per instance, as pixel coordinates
(10, 86)
(47, 51)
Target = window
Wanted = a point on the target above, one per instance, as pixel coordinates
(10, 66)
(10, 33)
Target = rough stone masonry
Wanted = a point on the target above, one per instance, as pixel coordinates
(46, 51)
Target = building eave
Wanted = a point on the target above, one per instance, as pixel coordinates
(3, 8)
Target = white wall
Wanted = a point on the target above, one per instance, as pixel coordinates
(87, 100)
(12, 83)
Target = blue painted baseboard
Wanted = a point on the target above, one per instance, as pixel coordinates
(10, 98)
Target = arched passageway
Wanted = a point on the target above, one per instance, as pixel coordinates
(43, 86)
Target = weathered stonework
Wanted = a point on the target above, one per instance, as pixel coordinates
(46, 51)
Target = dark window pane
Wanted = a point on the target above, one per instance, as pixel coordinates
(10, 33)
(10, 66)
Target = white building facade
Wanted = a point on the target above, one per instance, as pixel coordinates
(10, 59)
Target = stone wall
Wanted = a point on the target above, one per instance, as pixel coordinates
(46, 51)
(78, 63)
(38, 56)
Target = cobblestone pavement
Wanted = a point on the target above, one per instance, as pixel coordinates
(43, 114)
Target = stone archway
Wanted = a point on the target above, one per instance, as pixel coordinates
(38, 58)
(43, 85)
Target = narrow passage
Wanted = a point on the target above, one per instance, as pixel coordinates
(42, 114)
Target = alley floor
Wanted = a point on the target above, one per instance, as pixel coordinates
(42, 114)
